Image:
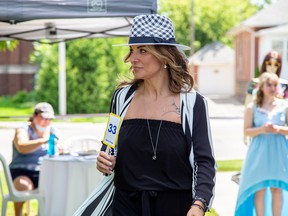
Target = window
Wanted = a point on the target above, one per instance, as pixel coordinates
(278, 46)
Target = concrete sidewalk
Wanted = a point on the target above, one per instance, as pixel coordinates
(226, 191)
(225, 194)
(223, 107)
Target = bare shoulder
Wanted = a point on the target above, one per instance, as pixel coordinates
(21, 134)
(249, 106)
(20, 130)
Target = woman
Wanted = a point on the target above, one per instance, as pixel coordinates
(29, 146)
(271, 63)
(264, 181)
(164, 163)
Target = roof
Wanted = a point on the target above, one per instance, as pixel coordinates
(273, 15)
(58, 20)
(277, 31)
(213, 54)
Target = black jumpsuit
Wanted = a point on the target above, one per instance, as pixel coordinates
(152, 187)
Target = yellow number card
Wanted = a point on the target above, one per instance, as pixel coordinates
(112, 130)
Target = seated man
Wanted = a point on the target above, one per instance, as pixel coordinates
(29, 146)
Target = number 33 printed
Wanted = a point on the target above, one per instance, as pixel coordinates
(112, 128)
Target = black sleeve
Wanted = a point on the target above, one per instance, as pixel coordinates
(111, 110)
(204, 161)
(113, 107)
(113, 101)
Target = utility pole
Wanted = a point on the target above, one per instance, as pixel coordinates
(192, 37)
(192, 28)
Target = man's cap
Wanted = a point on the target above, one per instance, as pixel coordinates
(45, 109)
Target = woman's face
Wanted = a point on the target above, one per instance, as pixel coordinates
(144, 64)
(42, 122)
(272, 65)
(270, 88)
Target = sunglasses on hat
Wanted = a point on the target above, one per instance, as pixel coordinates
(270, 63)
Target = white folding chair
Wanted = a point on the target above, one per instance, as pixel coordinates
(84, 144)
(14, 195)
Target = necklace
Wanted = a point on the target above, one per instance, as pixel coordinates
(154, 147)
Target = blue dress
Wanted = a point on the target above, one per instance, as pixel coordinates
(265, 166)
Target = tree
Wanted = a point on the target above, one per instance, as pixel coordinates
(8, 45)
(212, 18)
(179, 12)
(93, 67)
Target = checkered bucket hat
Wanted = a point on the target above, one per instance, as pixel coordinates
(153, 29)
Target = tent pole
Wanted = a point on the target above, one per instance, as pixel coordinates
(62, 78)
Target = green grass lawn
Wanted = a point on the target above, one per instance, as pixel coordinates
(23, 113)
(229, 165)
(11, 111)
(93, 120)
(14, 111)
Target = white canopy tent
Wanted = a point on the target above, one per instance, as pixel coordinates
(57, 21)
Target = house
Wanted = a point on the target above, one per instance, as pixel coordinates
(213, 65)
(16, 73)
(255, 37)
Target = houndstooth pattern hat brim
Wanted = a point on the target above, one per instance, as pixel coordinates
(153, 29)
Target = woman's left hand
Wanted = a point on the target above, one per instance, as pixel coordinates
(276, 129)
(105, 163)
(195, 211)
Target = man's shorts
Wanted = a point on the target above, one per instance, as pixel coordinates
(32, 174)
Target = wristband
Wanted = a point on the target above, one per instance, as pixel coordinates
(199, 206)
(197, 198)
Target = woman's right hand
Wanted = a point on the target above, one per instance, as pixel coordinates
(105, 163)
(43, 140)
(268, 128)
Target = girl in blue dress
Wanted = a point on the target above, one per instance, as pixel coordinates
(263, 187)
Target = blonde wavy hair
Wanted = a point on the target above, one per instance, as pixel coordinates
(263, 79)
(177, 65)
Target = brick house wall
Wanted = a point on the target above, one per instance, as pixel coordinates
(243, 62)
(16, 73)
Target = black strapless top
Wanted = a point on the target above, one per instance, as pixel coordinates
(135, 168)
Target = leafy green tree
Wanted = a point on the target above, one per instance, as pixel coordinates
(179, 12)
(46, 57)
(93, 68)
(212, 18)
(8, 45)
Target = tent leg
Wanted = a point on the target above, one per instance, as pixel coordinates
(62, 78)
